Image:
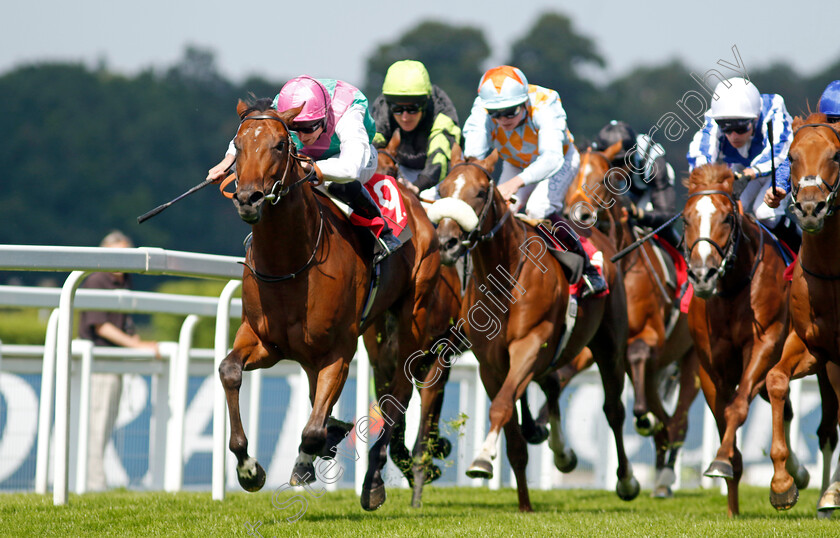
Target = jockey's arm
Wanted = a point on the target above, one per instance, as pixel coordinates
(551, 124)
(356, 159)
(478, 128)
(444, 134)
(782, 138)
(663, 198)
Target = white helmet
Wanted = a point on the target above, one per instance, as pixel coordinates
(738, 98)
(503, 87)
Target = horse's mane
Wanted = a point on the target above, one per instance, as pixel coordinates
(710, 175)
(262, 104)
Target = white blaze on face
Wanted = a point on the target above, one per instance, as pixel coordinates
(460, 181)
(705, 208)
(587, 170)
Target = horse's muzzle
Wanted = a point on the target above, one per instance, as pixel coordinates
(811, 214)
(704, 280)
(249, 205)
(451, 246)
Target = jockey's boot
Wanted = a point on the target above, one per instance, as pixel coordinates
(361, 202)
(594, 283)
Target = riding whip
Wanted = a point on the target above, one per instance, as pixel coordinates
(647, 237)
(772, 156)
(146, 216)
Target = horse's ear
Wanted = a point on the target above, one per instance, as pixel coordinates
(241, 107)
(613, 150)
(394, 143)
(289, 115)
(489, 163)
(457, 155)
(797, 123)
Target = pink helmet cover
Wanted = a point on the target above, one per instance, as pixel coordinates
(308, 92)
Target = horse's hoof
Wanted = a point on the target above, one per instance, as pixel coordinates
(720, 469)
(566, 464)
(480, 469)
(830, 500)
(824, 514)
(253, 483)
(433, 472)
(801, 477)
(302, 473)
(646, 424)
(662, 492)
(538, 435)
(373, 498)
(786, 499)
(627, 490)
(441, 449)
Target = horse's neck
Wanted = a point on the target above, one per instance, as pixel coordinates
(287, 234)
(819, 252)
(502, 250)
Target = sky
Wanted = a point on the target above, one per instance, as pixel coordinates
(330, 38)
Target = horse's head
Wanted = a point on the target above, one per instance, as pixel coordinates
(593, 193)
(814, 163)
(712, 226)
(466, 194)
(387, 157)
(264, 157)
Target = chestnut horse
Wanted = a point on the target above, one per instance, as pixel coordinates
(432, 374)
(652, 309)
(813, 346)
(304, 290)
(738, 314)
(517, 311)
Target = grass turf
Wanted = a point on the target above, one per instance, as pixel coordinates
(446, 512)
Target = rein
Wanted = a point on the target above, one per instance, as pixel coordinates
(277, 193)
(832, 193)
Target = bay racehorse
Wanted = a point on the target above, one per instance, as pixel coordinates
(520, 320)
(304, 291)
(813, 346)
(658, 332)
(738, 314)
(433, 371)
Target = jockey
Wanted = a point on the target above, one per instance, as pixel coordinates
(527, 125)
(830, 102)
(735, 132)
(426, 119)
(335, 129)
(653, 200)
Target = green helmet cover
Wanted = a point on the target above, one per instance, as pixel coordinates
(407, 78)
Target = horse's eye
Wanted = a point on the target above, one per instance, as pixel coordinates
(280, 146)
(837, 157)
(483, 194)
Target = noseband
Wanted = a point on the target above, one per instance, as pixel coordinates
(832, 193)
(278, 191)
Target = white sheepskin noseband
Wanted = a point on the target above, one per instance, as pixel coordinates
(455, 209)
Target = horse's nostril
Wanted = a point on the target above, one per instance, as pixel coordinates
(255, 197)
(819, 208)
(451, 243)
(710, 273)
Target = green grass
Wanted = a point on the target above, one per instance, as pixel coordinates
(446, 512)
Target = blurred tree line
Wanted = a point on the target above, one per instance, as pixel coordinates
(86, 150)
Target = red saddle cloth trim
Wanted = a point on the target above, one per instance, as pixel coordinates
(679, 263)
(686, 299)
(376, 224)
(788, 274)
(386, 194)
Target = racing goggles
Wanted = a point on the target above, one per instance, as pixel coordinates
(507, 113)
(307, 128)
(735, 126)
(413, 108)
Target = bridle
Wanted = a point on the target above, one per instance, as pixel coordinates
(728, 251)
(832, 192)
(475, 236)
(278, 191)
(733, 241)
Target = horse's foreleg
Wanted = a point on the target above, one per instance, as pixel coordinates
(565, 458)
(482, 466)
(796, 361)
(517, 451)
(641, 359)
(251, 475)
(429, 444)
